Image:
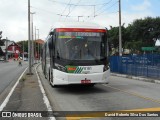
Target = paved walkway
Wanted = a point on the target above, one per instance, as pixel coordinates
(26, 97)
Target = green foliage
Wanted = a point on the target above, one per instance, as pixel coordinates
(141, 33)
(1, 43)
(25, 43)
(1, 52)
(134, 45)
(113, 36)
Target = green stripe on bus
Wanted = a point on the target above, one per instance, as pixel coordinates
(79, 70)
(76, 70)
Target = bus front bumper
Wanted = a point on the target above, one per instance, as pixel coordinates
(62, 78)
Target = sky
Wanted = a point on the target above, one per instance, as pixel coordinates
(14, 14)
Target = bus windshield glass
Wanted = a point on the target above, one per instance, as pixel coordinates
(81, 45)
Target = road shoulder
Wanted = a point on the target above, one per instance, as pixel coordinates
(27, 95)
(137, 78)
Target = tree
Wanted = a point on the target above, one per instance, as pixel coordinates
(145, 30)
(1, 52)
(114, 36)
(25, 43)
(140, 33)
(1, 44)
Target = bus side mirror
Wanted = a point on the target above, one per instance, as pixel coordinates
(50, 43)
(51, 33)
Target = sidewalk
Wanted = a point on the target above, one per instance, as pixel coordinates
(27, 97)
(137, 78)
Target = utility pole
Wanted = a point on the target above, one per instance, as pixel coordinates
(38, 45)
(120, 32)
(35, 46)
(23, 50)
(6, 57)
(29, 41)
(32, 44)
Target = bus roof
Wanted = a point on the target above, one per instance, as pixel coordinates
(78, 25)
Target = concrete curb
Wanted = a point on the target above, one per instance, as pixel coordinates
(136, 78)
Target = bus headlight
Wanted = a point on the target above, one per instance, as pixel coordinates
(105, 68)
(60, 67)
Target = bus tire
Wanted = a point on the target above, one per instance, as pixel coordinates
(91, 85)
(45, 75)
(48, 75)
(51, 79)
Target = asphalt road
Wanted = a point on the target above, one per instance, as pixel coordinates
(9, 73)
(119, 94)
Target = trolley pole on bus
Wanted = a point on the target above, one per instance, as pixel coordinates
(120, 32)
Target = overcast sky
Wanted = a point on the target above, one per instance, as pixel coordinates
(14, 14)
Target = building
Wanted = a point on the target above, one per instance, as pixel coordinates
(38, 47)
(13, 49)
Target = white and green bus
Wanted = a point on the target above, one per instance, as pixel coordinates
(76, 53)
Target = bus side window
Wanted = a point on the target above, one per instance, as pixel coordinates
(47, 51)
(53, 44)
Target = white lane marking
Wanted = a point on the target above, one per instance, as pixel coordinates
(45, 99)
(10, 93)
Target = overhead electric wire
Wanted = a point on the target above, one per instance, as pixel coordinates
(107, 8)
(95, 12)
(79, 4)
(72, 9)
(100, 9)
(98, 14)
(104, 5)
(65, 9)
(46, 11)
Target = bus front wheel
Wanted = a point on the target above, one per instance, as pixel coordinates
(51, 79)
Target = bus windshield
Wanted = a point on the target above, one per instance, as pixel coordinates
(81, 45)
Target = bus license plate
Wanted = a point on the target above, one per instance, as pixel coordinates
(85, 81)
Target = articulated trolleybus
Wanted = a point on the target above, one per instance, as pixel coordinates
(76, 53)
